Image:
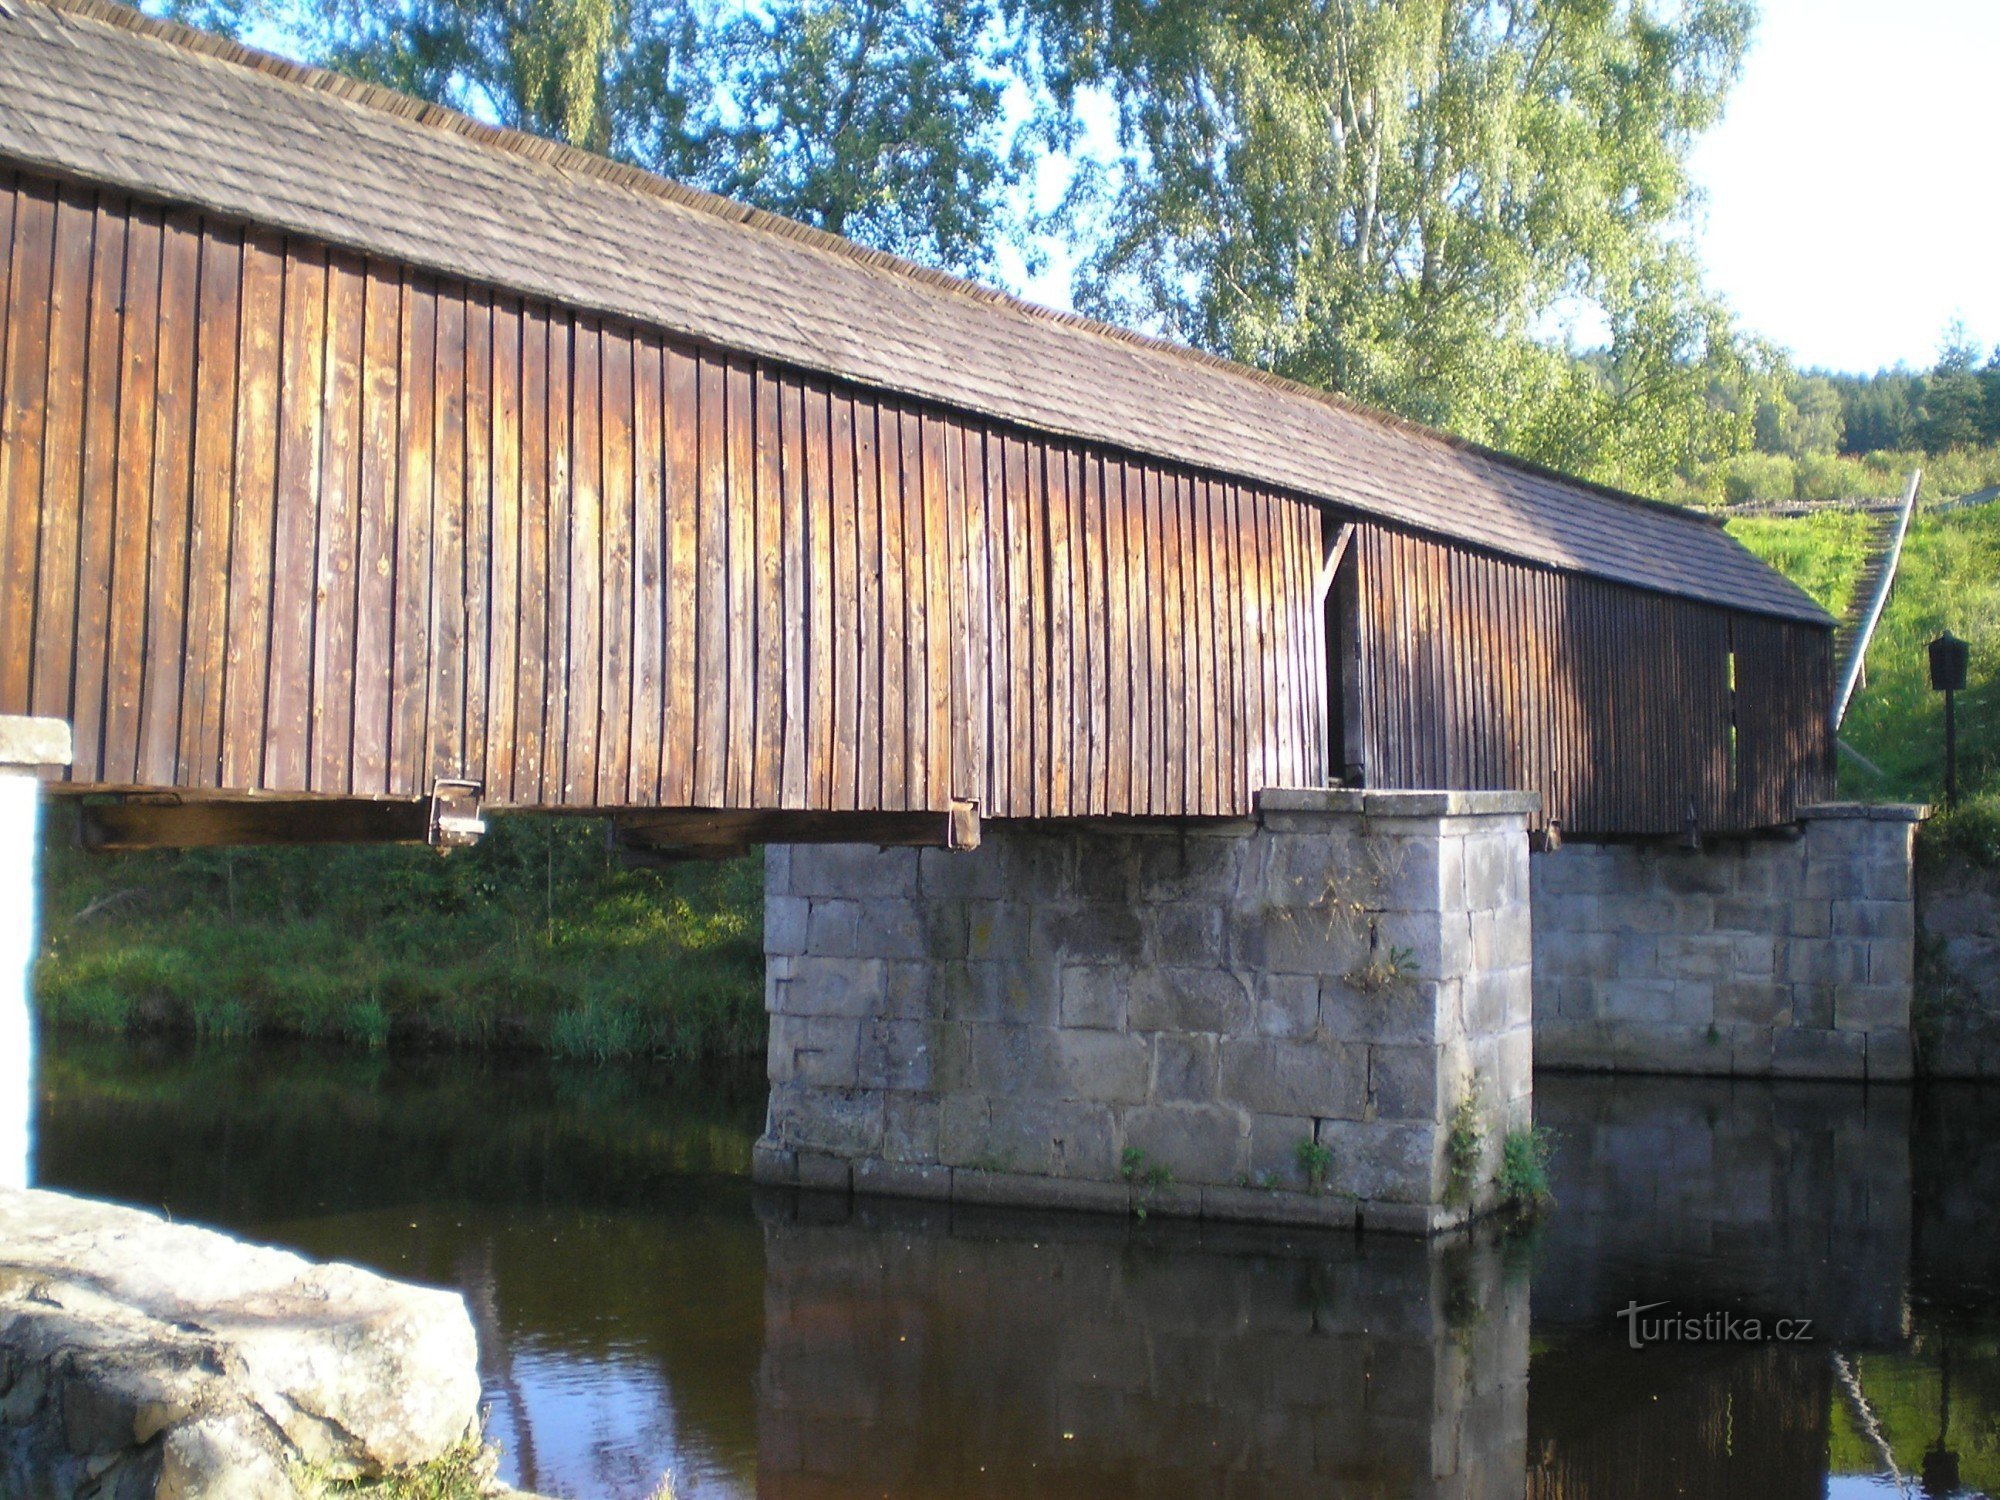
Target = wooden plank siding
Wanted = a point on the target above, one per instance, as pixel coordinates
(1478, 672)
(284, 519)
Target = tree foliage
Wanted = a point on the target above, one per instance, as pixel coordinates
(875, 119)
(1402, 200)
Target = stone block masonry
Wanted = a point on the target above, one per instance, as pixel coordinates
(1275, 1019)
(1787, 956)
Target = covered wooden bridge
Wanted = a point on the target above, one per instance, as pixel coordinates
(354, 453)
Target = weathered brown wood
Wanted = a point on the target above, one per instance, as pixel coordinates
(618, 611)
(478, 539)
(330, 726)
(410, 504)
(891, 721)
(125, 827)
(289, 520)
(768, 619)
(507, 603)
(651, 564)
(685, 483)
(95, 501)
(557, 771)
(795, 619)
(295, 521)
(23, 422)
(55, 573)
(584, 640)
(735, 829)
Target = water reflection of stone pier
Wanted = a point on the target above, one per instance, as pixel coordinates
(911, 1351)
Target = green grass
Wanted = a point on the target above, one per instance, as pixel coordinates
(1949, 579)
(536, 937)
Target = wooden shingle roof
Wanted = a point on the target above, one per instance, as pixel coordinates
(97, 92)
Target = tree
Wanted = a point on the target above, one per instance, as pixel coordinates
(1407, 200)
(1952, 407)
(878, 120)
(1801, 418)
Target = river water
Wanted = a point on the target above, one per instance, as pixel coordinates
(642, 1310)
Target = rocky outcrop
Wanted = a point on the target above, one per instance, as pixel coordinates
(141, 1358)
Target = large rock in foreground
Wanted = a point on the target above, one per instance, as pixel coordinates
(141, 1358)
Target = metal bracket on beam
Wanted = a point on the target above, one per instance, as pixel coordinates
(455, 821)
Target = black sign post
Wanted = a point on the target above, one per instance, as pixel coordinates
(1948, 662)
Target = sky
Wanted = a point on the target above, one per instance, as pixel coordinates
(1853, 191)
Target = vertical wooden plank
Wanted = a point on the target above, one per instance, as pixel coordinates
(617, 606)
(442, 752)
(1159, 502)
(651, 569)
(968, 456)
(377, 463)
(132, 523)
(1205, 527)
(685, 494)
(53, 578)
(1229, 611)
(768, 614)
(823, 587)
(1035, 497)
(534, 685)
(916, 595)
(506, 599)
(843, 466)
(967, 779)
(999, 613)
(1097, 657)
(98, 482)
(1138, 623)
(21, 435)
(409, 674)
(587, 591)
(1061, 569)
(868, 562)
(331, 724)
(1118, 643)
(765, 499)
(1173, 787)
(558, 769)
(301, 411)
(795, 504)
(1242, 630)
(893, 721)
(173, 485)
(478, 511)
(1184, 645)
(740, 523)
(712, 598)
(945, 682)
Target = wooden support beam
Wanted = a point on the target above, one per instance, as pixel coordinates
(119, 827)
(1331, 565)
(737, 829)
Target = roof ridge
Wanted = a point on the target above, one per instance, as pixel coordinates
(565, 157)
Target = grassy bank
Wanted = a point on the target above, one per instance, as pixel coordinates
(535, 938)
(1949, 580)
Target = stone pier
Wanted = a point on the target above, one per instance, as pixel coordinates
(1280, 1019)
(27, 748)
(1788, 955)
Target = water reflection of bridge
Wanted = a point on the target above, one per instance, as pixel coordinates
(646, 1317)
